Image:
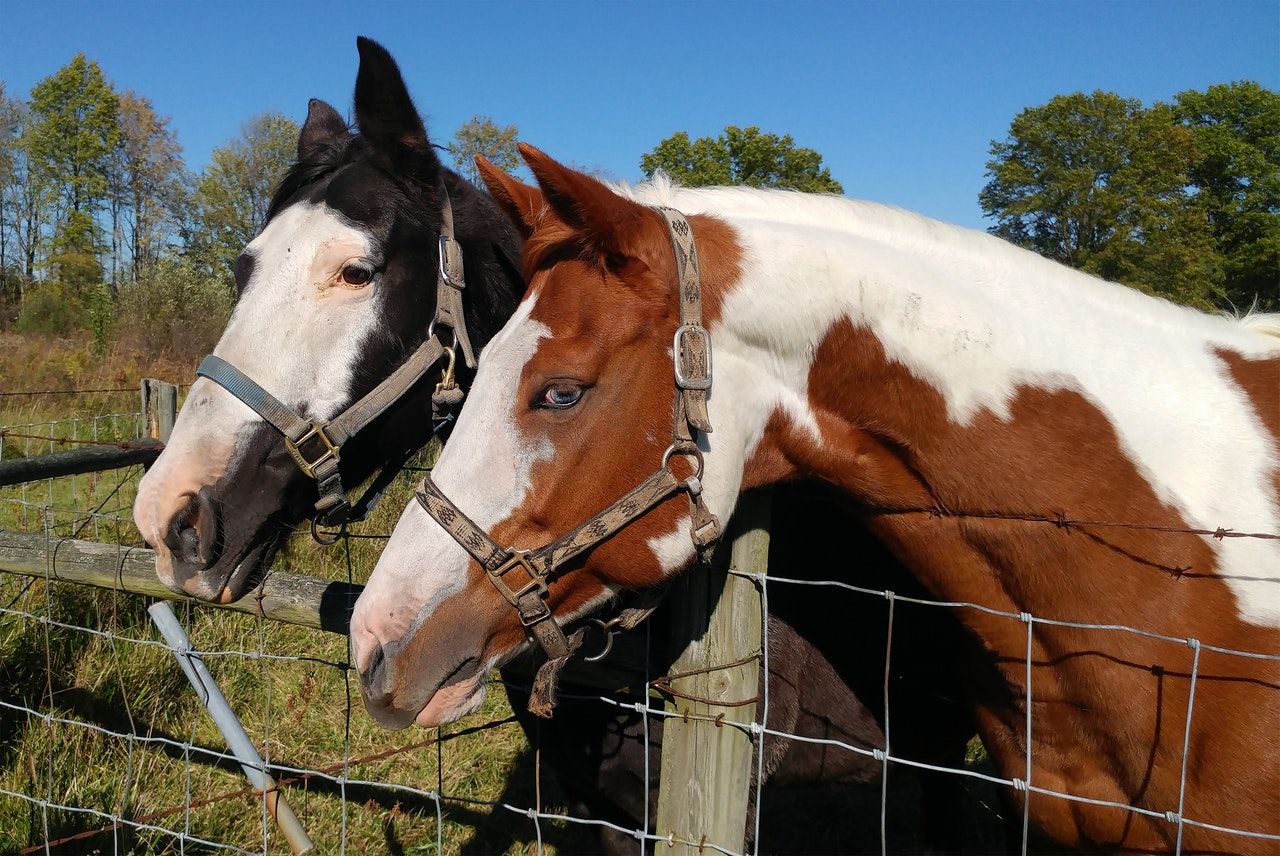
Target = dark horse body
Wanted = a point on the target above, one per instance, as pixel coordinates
(225, 491)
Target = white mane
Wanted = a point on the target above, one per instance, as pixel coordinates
(945, 243)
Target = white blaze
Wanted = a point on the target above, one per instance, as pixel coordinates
(291, 332)
(485, 469)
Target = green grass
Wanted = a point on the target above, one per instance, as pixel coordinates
(296, 711)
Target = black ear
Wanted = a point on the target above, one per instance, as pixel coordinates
(386, 116)
(322, 128)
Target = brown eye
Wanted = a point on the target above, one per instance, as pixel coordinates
(356, 275)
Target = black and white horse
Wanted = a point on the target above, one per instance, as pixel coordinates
(334, 293)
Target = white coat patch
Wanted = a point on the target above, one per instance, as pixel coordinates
(976, 318)
(485, 468)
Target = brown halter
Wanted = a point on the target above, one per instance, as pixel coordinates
(522, 577)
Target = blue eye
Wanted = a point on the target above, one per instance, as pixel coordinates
(560, 396)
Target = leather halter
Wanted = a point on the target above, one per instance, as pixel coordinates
(315, 445)
(522, 577)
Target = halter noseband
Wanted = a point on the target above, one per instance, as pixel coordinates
(522, 577)
(315, 445)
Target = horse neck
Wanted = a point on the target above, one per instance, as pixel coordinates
(945, 380)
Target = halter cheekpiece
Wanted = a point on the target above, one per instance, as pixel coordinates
(315, 445)
(523, 577)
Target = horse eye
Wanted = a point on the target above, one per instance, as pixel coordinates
(357, 275)
(560, 396)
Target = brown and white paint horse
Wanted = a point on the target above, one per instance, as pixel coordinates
(948, 384)
(332, 295)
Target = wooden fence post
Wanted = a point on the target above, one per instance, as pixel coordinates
(159, 408)
(707, 768)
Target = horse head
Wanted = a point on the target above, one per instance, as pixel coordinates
(335, 292)
(571, 409)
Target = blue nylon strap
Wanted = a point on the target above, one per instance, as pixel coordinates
(266, 405)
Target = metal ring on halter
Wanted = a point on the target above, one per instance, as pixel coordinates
(608, 628)
(453, 335)
(329, 539)
(689, 450)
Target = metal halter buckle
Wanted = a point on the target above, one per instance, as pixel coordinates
(519, 559)
(691, 374)
(450, 251)
(295, 449)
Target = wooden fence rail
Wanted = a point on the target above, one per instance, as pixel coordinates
(291, 598)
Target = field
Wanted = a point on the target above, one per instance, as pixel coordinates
(295, 709)
(133, 760)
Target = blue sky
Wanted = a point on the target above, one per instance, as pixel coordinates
(901, 98)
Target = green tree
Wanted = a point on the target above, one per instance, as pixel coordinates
(146, 177)
(27, 197)
(480, 135)
(1236, 173)
(1100, 183)
(741, 156)
(11, 113)
(75, 127)
(234, 192)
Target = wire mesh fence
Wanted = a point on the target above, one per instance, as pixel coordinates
(105, 749)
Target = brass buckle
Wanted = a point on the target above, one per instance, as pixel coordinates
(295, 449)
(519, 559)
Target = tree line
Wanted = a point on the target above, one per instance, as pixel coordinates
(104, 227)
(101, 219)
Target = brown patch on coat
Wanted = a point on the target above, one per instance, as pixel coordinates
(1108, 707)
(1260, 381)
(614, 319)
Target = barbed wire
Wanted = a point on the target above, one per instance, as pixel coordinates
(20, 393)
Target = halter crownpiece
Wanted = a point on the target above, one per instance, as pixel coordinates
(315, 445)
(523, 577)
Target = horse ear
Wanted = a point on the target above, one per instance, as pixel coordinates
(605, 219)
(522, 203)
(322, 128)
(386, 116)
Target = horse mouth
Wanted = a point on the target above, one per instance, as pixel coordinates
(461, 691)
(249, 570)
(453, 700)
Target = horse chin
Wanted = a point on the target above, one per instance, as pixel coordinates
(453, 702)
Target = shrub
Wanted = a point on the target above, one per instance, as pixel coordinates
(174, 308)
(51, 309)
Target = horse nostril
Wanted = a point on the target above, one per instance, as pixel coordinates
(193, 532)
(372, 676)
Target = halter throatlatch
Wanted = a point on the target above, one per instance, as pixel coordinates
(523, 577)
(316, 445)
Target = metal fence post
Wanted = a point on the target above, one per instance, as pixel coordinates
(707, 764)
(159, 408)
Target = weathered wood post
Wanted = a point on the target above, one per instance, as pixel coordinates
(707, 766)
(159, 408)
